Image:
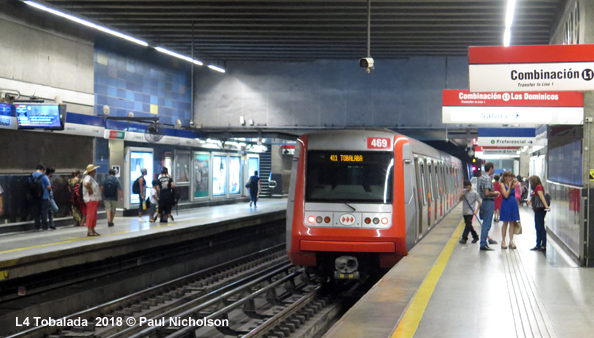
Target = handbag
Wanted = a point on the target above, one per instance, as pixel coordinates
(536, 202)
(53, 206)
(518, 228)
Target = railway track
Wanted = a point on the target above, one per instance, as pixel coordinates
(262, 295)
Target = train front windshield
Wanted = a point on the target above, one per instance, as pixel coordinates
(349, 176)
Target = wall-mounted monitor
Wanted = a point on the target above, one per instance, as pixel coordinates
(40, 116)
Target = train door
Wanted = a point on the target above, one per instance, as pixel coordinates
(421, 196)
(429, 194)
(439, 183)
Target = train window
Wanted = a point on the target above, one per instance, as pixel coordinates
(347, 176)
(422, 174)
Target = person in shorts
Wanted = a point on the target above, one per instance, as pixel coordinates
(111, 189)
(469, 199)
(153, 212)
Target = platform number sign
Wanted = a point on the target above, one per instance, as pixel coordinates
(379, 143)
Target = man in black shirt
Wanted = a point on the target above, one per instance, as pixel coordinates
(165, 195)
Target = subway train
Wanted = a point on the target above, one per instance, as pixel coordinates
(359, 200)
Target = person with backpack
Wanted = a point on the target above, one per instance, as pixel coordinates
(254, 188)
(39, 187)
(139, 187)
(111, 189)
(540, 206)
(469, 198)
(92, 197)
(165, 195)
(79, 209)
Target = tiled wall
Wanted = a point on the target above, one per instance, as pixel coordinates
(147, 89)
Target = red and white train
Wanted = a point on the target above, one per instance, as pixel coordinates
(359, 200)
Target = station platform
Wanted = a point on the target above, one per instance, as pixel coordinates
(447, 289)
(27, 253)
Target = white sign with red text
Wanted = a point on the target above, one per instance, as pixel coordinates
(531, 68)
(461, 106)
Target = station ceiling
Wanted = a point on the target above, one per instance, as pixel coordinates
(307, 30)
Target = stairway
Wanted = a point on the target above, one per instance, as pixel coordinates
(265, 169)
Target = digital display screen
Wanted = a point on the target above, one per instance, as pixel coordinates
(140, 160)
(40, 115)
(346, 158)
(6, 109)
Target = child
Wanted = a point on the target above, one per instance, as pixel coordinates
(469, 199)
(153, 212)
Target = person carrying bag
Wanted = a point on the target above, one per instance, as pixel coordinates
(540, 206)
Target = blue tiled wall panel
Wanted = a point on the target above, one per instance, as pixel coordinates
(131, 85)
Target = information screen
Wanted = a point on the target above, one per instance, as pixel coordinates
(138, 161)
(38, 116)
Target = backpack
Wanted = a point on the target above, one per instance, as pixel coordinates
(77, 192)
(136, 186)
(36, 187)
(110, 188)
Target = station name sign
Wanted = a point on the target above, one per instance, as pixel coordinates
(531, 68)
(527, 108)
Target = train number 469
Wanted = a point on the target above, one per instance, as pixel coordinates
(378, 143)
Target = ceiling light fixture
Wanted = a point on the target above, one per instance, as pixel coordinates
(509, 19)
(86, 23)
(179, 56)
(218, 69)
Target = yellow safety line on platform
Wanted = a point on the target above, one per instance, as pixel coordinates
(412, 317)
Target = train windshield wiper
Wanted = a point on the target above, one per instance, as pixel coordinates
(350, 206)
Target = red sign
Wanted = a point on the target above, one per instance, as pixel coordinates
(379, 143)
(530, 54)
(464, 98)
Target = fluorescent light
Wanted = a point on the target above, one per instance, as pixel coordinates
(509, 15)
(179, 56)
(86, 23)
(218, 69)
(507, 37)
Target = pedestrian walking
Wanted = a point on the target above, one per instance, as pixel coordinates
(111, 189)
(92, 197)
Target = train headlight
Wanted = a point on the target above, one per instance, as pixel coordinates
(375, 220)
(327, 219)
(319, 219)
(385, 220)
(311, 219)
(367, 220)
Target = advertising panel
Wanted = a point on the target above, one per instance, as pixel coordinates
(219, 175)
(139, 160)
(234, 175)
(201, 174)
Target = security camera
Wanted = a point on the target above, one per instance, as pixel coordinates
(366, 63)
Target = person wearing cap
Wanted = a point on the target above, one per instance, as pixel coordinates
(92, 197)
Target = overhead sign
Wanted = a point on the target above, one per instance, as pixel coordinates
(461, 106)
(82, 129)
(114, 134)
(500, 151)
(531, 68)
(510, 141)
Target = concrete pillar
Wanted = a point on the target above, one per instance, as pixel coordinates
(117, 156)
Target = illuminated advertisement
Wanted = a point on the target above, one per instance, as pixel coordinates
(201, 175)
(234, 175)
(219, 175)
(182, 168)
(252, 165)
(138, 161)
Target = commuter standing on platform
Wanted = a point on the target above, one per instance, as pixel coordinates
(165, 195)
(487, 193)
(469, 198)
(141, 192)
(92, 195)
(510, 212)
(39, 186)
(254, 188)
(154, 211)
(111, 189)
(49, 173)
(539, 212)
(497, 187)
(79, 209)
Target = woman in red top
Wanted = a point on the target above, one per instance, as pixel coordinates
(539, 213)
(497, 187)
